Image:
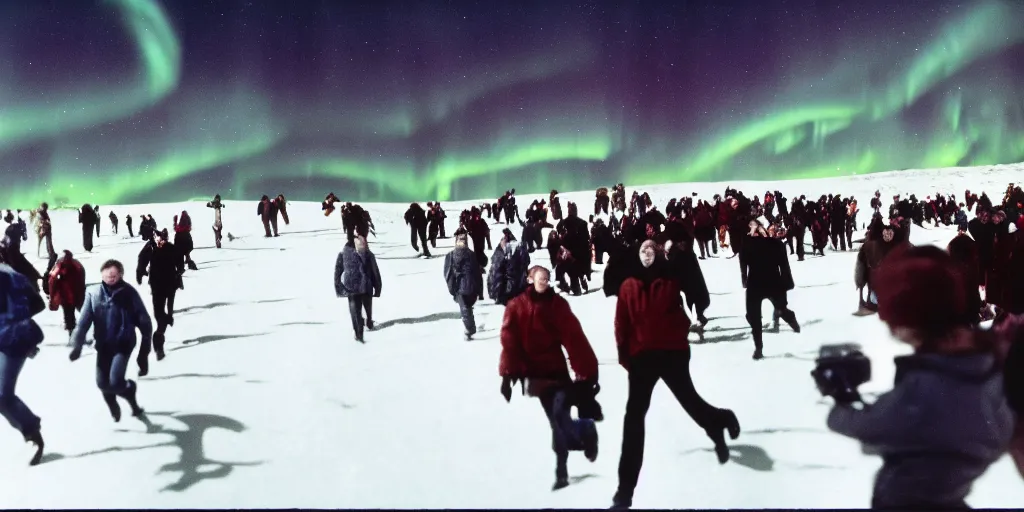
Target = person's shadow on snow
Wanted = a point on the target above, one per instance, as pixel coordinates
(746, 455)
(193, 463)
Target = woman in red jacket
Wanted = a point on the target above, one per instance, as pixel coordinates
(651, 333)
(537, 324)
(67, 289)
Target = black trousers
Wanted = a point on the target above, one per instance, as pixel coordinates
(163, 311)
(645, 370)
(419, 233)
(466, 303)
(754, 298)
(356, 305)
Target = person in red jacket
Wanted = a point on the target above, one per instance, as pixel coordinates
(537, 325)
(651, 331)
(67, 289)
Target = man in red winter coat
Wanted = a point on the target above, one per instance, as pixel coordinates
(538, 323)
(651, 333)
(67, 289)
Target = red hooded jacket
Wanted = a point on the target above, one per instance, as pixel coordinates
(67, 283)
(535, 328)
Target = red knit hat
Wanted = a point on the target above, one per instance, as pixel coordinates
(920, 287)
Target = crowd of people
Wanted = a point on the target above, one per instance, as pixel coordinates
(934, 299)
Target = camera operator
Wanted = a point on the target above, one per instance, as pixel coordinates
(946, 420)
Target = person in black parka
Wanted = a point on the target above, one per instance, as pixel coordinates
(464, 277)
(416, 219)
(164, 264)
(509, 263)
(765, 273)
(682, 265)
(357, 277)
(87, 218)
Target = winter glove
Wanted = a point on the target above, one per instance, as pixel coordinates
(75, 354)
(33, 352)
(143, 365)
(506, 388)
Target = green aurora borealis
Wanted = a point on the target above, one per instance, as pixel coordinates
(168, 103)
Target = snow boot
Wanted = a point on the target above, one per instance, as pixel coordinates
(758, 354)
(790, 317)
(158, 345)
(730, 423)
(369, 324)
(468, 336)
(721, 449)
(561, 474)
(115, 410)
(35, 438)
(130, 396)
(590, 443)
(621, 501)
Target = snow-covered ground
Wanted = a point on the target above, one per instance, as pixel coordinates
(265, 399)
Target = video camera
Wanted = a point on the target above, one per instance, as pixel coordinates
(840, 369)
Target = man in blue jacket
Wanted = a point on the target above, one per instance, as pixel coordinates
(20, 337)
(114, 309)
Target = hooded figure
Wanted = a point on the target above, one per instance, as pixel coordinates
(946, 420)
(183, 238)
(67, 289)
(357, 277)
(87, 217)
(282, 208)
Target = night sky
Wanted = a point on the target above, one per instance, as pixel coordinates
(127, 101)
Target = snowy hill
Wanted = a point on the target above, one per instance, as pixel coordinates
(265, 400)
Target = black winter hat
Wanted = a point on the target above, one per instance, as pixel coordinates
(508, 235)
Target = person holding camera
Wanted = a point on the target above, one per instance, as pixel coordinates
(20, 337)
(538, 323)
(764, 270)
(651, 332)
(946, 420)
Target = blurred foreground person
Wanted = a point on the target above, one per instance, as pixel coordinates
(20, 337)
(947, 419)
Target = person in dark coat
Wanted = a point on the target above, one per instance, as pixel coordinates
(16, 233)
(267, 210)
(282, 208)
(113, 221)
(163, 263)
(20, 337)
(464, 278)
(882, 239)
(87, 218)
(946, 420)
(114, 310)
(537, 325)
(357, 277)
(67, 289)
(416, 219)
(765, 274)
(507, 276)
(183, 238)
(575, 237)
(682, 265)
(128, 224)
(651, 335)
